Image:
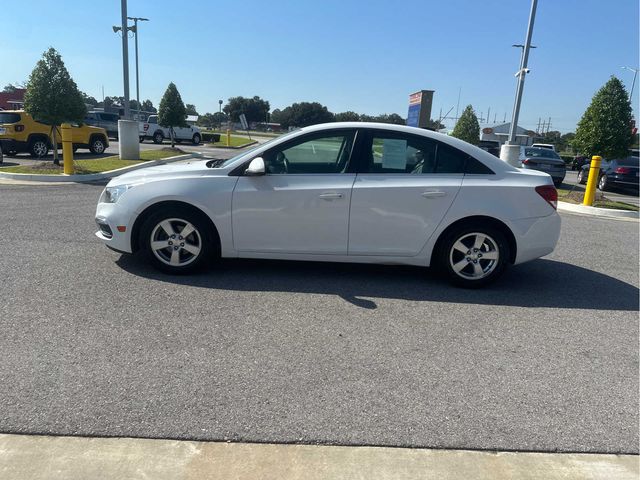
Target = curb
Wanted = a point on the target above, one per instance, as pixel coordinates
(92, 177)
(69, 458)
(597, 212)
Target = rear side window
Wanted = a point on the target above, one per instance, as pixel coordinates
(393, 152)
(9, 117)
(109, 117)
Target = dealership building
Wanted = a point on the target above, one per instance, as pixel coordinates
(500, 134)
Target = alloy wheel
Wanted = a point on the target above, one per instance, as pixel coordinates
(474, 256)
(176, 242)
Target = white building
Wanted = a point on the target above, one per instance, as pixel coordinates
(500, 134)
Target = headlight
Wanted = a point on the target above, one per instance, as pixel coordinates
(112, 194)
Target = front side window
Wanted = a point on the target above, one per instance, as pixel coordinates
(324, 153)
(9, 117)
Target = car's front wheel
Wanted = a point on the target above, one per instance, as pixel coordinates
(158, 137)
(177, 240)
(581, 177)
(472, 256)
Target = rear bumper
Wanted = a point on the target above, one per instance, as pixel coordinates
(11, 145)
(624, 181)
(536, 237)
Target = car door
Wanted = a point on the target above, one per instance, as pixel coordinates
(301, 204)
(404, 187)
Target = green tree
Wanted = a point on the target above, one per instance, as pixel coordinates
(147, 106)
(191, 109)
(255, 109)
(52, 96)
(172, 112)
(10, 87)
(347, 116)
(88, 99)
(304, 114)
(605, 127)
(435, 124)
(467, 127)
(393, 118)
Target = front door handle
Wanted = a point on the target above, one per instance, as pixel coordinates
(330, 196)
(433, 194)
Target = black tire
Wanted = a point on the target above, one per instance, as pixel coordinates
(603, 183)
(158, 137)
(75, 149)
(581, 179)
(196, 139)
(558, 183)
(141, 139)
(39, 147)
(449, 255)
(97, 145)
(202, 237)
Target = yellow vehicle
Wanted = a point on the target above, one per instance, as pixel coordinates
(19, 132)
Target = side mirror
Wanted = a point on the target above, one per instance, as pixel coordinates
(255, 168)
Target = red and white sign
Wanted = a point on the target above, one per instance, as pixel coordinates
(415, 98)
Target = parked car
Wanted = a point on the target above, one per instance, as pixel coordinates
(621, 173)
(579, 161)
(106, 120)
(491, 146)
(548, 146)
(544, 160)
(19, 132)
(151, 130)
(344, 192)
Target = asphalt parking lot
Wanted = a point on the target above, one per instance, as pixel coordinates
(95, 343)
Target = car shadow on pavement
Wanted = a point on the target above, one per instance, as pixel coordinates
(540, 283)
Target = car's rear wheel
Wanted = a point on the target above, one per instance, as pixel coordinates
(141, 139)
(603, 183)
(97, 145)
(158, 137)
(581, 177)
(39, 148)
(177, 240)
(196, 139)
(472, 256)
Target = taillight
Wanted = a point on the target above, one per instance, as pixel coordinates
(146, 127)
(526, 161)
(623, 170)
(549, 193)
(19, 128)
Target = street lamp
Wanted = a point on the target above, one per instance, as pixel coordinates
(635, 74)
(134, 29)
(510, 151)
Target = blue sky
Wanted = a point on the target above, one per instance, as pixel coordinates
(365, 56)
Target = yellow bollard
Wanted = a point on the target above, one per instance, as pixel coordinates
(594, 170)
(67, 148)
(228, 137)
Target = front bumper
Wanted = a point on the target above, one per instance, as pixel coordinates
(109, 218)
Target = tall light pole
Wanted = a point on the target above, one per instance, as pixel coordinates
(635, 74)
(510, 151)
(134, 29)
(125, 58)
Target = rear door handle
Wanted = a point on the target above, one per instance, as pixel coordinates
(330, 196)
(433, 194)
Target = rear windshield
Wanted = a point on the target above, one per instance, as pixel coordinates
(9, 117)
(629, 162)
(540, 152)
(109, 117)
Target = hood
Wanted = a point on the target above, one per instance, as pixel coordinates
(165, 172)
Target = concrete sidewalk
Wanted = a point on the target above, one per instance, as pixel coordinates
(69, 458)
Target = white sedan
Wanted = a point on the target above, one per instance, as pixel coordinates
(340, 192)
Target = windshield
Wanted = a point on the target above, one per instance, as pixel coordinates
(540, 153)
(249, 152)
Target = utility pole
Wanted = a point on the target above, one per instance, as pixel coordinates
(510, 151)
(135, 32)
(538, 127)
(458, 105)
(125, 58)
(635, 74)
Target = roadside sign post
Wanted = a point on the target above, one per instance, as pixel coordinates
(67, 148)
(228, 137)
(245, 124)
(594, 170)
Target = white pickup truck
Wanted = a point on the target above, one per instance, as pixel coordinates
(151, 130)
